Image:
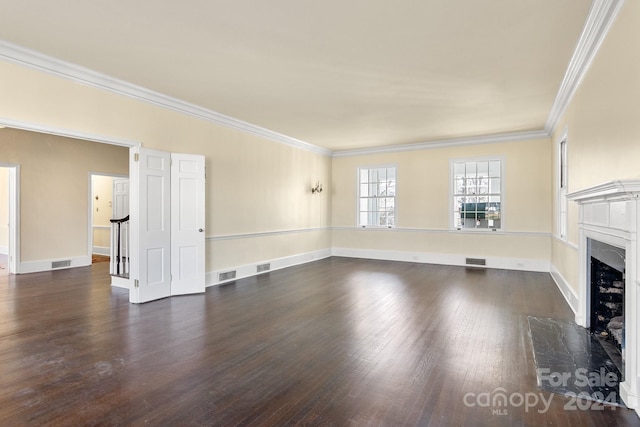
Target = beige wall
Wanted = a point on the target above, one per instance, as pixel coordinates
(254, 185)
(423, 202)
(54, 189)
(4, 209)
(603, 126)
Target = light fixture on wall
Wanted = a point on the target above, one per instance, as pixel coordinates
(316, 188)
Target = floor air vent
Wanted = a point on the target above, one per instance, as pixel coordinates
(263, 267)
(228, 275)
(60, 264)
(476, 261)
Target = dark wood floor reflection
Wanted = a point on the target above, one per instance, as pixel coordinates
(336, 342)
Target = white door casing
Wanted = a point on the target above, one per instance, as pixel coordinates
(14, 216)
(150, 207)
(187, 224)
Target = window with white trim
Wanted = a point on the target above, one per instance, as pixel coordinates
(377, 197)
(562, 187)
(477, 194)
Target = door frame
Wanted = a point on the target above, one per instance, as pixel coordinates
(14, 216)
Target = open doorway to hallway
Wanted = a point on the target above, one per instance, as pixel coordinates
(109, 201)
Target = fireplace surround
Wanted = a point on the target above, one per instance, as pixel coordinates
(609, 213)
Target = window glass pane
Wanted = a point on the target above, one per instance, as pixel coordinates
(391, 174)
(374, 218)
(483, 169)
(494, 169)
(458, 186)
(483, 185)
(458, 170)
(363, 218)
(391, 188)
(382, 174)
(390, 203)
(364, 190)
(494, 185)
(471, 169)
(391, 218)
(364, 175)
(364, 203)
(373, 189)
(383, 188)
(470, 185)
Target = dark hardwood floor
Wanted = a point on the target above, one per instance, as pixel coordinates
(334, 343)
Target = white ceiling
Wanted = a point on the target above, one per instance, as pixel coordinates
(337, 74)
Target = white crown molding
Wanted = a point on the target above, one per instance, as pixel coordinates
(25, 57)
(601, 16)
(33, 127)
(455, 142)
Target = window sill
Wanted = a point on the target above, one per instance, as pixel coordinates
(479, 230)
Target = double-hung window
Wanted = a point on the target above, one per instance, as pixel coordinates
(377, 197)
(562, 187)
(477, 194)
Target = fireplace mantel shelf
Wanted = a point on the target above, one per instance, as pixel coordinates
(613, 190)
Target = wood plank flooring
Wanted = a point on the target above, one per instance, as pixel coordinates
(338, 342)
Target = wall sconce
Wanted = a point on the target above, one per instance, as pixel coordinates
(317, 188)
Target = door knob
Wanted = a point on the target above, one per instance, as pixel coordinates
(200, 230)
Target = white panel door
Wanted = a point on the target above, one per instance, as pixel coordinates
(120, 198)
(151, 231)
(187, 224)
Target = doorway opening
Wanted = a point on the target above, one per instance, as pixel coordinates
(9, 252)
(109, 200)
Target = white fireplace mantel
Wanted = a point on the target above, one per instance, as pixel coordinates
(609, 213)
(620, 190)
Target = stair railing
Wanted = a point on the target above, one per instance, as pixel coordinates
(120, 246)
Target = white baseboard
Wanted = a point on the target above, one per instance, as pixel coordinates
(46, 265)
(629, 399)
(248, 270)
(121, 282)
(4, 250)
(101, 250)
(445, 259)
(565, 289)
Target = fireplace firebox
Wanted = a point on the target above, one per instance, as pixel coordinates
(607, 302)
